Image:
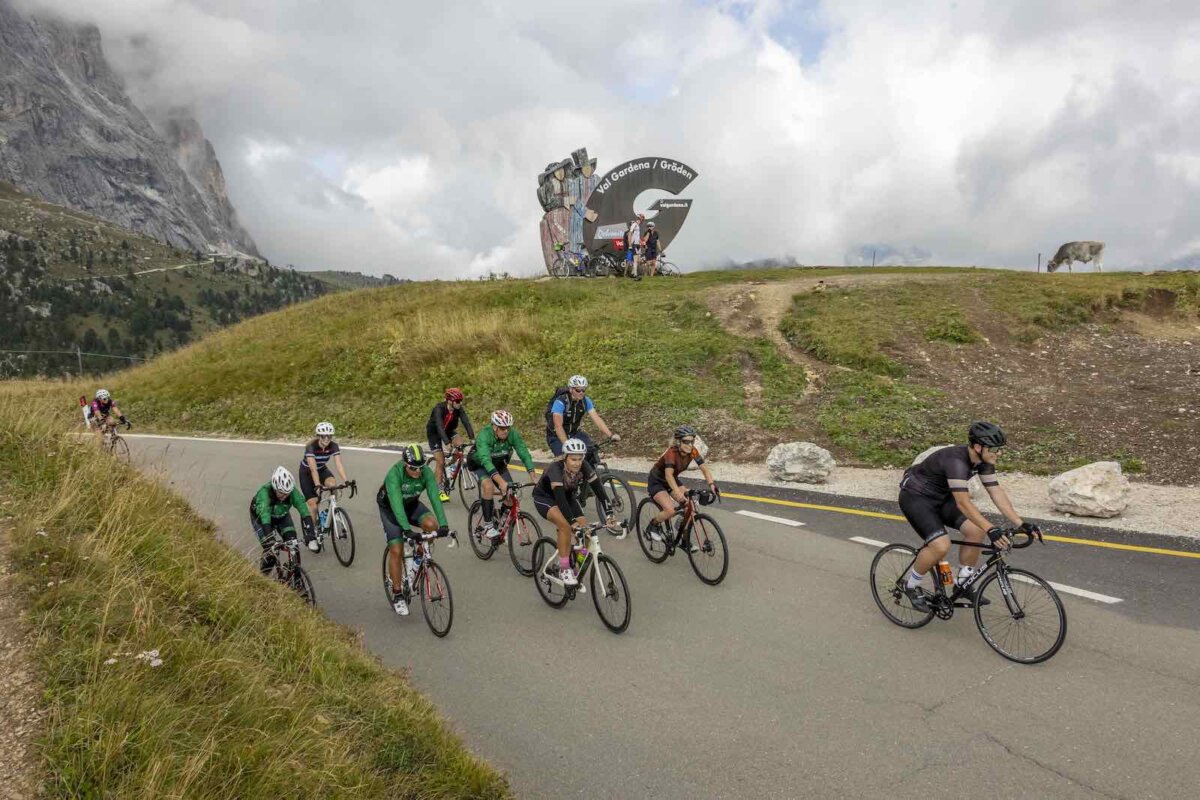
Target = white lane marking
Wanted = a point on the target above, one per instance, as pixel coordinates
(249, 441)
(782, 521)
(1099, 598)
(865, 540)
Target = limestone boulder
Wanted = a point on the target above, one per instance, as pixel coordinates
(1093, 490)
(800, 462)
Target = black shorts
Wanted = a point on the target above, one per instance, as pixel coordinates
(930, 517)
(481, 473)
(654, 485)
(543, 503)
(414, 510)
(307, 487)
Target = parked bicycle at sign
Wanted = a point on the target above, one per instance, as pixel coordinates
(695, 532)
(517, 527)
(333, 522)
(610, 592)
(426, 578)
(1018, 614)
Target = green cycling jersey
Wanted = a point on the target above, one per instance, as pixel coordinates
(402, 488)
(490, 449)
(267, 506)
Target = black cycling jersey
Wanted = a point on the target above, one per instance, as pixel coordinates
(320, 454)
(566, 494)
(443, 423)
(945, 471)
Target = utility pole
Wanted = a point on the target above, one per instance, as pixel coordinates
(872, 258)
(1039, 263)
(79, 359)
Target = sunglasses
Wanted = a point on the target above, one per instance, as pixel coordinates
(687, 441)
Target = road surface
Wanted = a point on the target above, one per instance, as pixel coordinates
(785, 681)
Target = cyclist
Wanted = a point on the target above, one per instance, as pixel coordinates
(101, 411)
(271, 511)
(399, 501)
(663, 481)
(934, 496)
(314, 470)
(556, 497)
(650, 250)
(442, 430)
(489, 461)
(565, 413)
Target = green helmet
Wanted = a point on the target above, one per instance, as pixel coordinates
(414, 456)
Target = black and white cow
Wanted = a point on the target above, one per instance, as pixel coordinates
(1077, 251)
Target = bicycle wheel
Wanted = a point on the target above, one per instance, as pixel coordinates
(667, 268)
(647, 510)
(1025, 621)
(482, 545)
(303, 586)
(437, 603)
(342, 534)
(621, 498)
(387, 582)
(890, 565)
(610, 594)
(468, 486)
(521, 539)
(545, 551)
(119, 448)
(711, 562)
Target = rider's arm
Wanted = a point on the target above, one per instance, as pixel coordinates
(598, 488)
(466, 422)
(337, 462)
(483, 450)
(432, 492)
(391, 484)
(669, 474)
(439, 420)
(1003, 502)
(311, 461)
(559, 430)
(596, 418)
(707, 475)
(522, 451)
(970, 510)
(300, 504)
(262, 504)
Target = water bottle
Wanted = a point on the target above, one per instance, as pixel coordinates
(451, 471)
(945, 573)
(324, 517)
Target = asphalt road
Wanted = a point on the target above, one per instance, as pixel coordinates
(785, 681)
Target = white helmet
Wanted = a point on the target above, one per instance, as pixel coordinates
(324, 429)
(282, 480)
(102, 394)
(574, 447)
(502, 419)
(577, 382)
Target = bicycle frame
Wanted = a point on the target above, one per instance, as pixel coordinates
(590, 544)
(946, 602)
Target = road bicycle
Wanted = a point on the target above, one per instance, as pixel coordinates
(603, 265)
(620, 495)
(428, 580)
(460, 475)
(710, 560)
(610, 592)
(1018, 614)
(287, 569)
(113, 443)
(667, 268)
(334, 522)
(517, 527)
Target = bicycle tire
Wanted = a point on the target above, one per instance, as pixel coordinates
(483, 547)
(890, 565)
(621, 496)
(553, 595)
(524, 535)
(647, 510)
(344, 552)
(387, 582)
(119, 448)
(703, 529)
(437, 601)
(1031, 595)
(608, 581)
(668, 269)
(468, 486)
(303, 586)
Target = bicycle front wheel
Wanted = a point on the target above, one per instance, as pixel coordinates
(545, 554)
(468, 486)
(889, 567)
(1025, 621)
(343, 538)
(521, 539)
(303, 586)
(621, 498)
(711, 561)
(610, 594)
(119, 448)
(656, 551)
(481, 544)
(437, 603)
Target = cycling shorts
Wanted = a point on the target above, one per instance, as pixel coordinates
(307, 487)
(544, 502)
(930, 517)
(482, 474)
(414, 510)
(281, 525)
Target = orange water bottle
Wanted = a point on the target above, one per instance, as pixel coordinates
(945, 573)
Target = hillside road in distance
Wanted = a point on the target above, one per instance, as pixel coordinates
(785, 680)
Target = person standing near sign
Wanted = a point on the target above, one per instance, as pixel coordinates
(631, 251)
(651, 249)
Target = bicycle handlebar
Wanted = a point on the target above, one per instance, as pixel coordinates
(352, 485)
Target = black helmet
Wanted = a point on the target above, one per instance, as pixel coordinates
(414, 456)
(684, 431)
(987, 434)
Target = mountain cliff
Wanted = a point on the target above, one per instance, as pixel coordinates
(70, 134)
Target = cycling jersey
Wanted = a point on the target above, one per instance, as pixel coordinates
(400, 492)
(566, 494)
(492, 454)
(676, 460)
(266, 506)
(99, 410)
(443, 423)
(946, 471)
(320, 454)
(572, 412)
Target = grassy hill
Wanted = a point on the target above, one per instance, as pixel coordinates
(874, 364)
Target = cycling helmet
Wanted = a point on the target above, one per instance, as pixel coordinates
(454, 395)
(324, 429)
(414, 456)
(502, 419)
(649, 224)
(282, 480)
(577, 382)
(102, 394)
(987, 434)
(574, 447)
(684, 431)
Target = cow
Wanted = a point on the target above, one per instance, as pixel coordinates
(1077, 251)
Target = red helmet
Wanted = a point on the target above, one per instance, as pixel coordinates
(454, 395)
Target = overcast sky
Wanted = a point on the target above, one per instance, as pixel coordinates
(406, 137)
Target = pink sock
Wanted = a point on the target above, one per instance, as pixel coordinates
(564, 563)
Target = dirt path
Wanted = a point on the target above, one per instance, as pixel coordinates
(18, 690)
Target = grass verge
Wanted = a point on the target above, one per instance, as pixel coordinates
(256, 696)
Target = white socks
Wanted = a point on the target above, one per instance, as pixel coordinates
(913, 578)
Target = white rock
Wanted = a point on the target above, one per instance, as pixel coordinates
(1093, 490)
(801, 462)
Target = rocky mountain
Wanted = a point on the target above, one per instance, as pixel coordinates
(70, 134)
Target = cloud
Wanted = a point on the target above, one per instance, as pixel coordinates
(404, 138)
